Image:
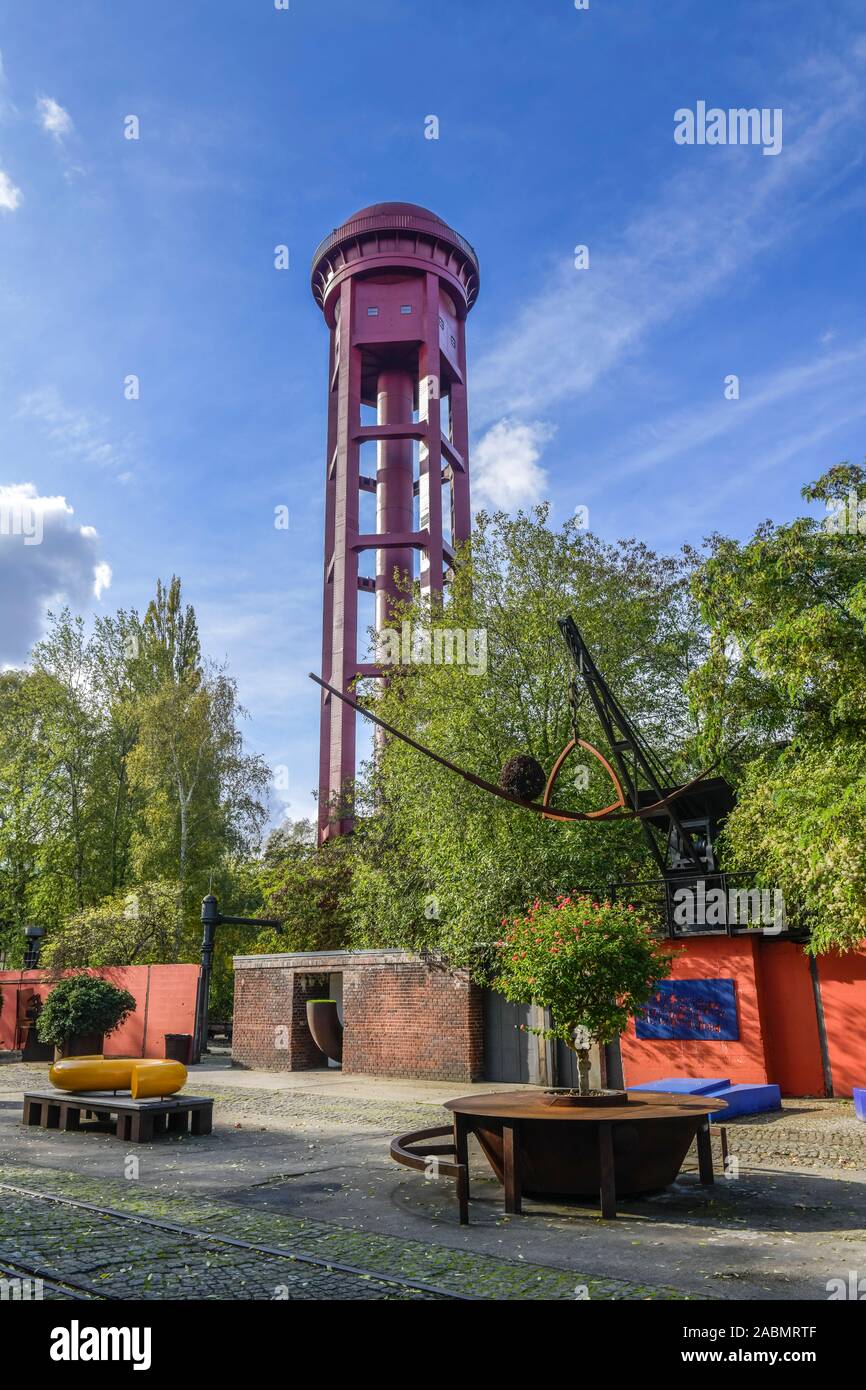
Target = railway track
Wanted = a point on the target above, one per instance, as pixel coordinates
(348, 1280)
(24, 1274)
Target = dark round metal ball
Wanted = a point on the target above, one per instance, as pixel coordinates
(523, 776)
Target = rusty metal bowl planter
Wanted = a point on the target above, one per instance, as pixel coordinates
(621, 1149)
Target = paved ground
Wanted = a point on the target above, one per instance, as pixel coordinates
(299, 1162)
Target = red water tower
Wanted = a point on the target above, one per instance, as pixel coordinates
(395, 284)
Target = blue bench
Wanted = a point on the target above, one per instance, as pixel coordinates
(742, 1099)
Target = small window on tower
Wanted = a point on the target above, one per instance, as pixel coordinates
(405, 308)
(372, 313)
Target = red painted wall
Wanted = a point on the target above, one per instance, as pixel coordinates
(791, 1038)
(779, 1038)
(714, 957)
(843, 989)
(165, 998)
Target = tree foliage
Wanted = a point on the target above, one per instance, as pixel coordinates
(306, 887)
(592, 964)
(82, 1005)
(134, 928)
(437, 862)
(785, 684)
(122, 767)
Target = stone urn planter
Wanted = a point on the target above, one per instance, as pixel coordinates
(326, 1028)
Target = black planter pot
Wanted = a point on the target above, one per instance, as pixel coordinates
(86, 1045)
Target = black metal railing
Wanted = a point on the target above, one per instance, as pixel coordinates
(709, 904)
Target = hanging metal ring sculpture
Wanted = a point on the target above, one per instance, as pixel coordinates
(554, 774)
(616, 811)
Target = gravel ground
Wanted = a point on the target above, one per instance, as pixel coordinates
(805, 1133)
(309, 1170)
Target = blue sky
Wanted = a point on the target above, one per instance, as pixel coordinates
(601, 388)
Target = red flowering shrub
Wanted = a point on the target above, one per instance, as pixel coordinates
(592, 964)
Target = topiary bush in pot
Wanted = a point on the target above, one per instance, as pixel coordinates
(80, 1011)
(593, 964)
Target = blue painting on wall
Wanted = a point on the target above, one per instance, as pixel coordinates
(704, 1009)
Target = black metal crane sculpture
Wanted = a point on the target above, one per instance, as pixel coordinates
(680, 823)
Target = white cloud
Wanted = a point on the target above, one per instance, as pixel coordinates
(45, 559)
(53, 117)
(505, 469)
(10, 196)
(101, 572)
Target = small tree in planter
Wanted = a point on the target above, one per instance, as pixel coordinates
(82, 1006)
(592, 964)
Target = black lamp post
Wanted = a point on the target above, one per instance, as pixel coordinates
(211, 918)
(33, 949)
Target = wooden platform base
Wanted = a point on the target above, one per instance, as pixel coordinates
(136, 1121)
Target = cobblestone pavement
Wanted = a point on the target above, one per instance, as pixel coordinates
(16, 1286)
(113, 1258)
(807, 1133)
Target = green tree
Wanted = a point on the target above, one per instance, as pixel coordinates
(82, 1005)
(62, 700)
(66, 813)
(437, 862)
(117, 642)
(121, 763)
(203, 792)
(592, 964)
(134, 928)
(21, 772)
(786, 677)
(171, 650)
(306, 887)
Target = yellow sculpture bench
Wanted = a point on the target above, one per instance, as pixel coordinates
(86, 1087)
(142, 1076)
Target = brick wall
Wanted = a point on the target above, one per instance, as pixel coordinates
(270, 1030)
(410, 1019)
(402, 1017)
